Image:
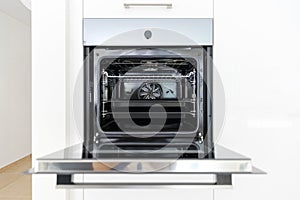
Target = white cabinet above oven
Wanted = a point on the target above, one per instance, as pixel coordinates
(148, 9)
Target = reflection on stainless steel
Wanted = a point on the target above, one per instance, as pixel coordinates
(70, 160)
(217, 171)
(144, 166)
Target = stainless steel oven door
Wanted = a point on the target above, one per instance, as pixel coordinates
(70, 163)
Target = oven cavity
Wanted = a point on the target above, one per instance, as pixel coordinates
(148, 90)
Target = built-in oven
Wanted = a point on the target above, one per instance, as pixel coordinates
(148, 99)
(148, 86)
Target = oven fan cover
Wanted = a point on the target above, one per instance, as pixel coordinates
(150, 90)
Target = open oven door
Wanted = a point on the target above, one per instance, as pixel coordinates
(71, 163)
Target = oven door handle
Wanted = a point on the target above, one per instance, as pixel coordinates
(130, 5)
(65, 182)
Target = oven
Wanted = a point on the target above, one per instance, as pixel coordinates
(147, 99)
(152, 94)
(148, 86)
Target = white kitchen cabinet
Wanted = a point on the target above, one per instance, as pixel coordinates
(48, 90)
(256, 52)
(179, 9)
(148, 194)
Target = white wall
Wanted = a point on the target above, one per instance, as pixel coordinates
(15, 89)
(257, 53)
(16, 9)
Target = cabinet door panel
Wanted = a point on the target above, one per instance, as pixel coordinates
(179, 9)
(147, 194)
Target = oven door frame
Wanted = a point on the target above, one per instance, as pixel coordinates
(204, 136)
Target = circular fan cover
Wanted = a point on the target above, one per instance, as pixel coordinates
(150, 91)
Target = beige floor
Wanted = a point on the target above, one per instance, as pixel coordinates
(13, 184)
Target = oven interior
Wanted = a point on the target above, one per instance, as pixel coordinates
(130, 87)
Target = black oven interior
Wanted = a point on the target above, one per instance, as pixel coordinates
(129, 86)
(146, 98)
